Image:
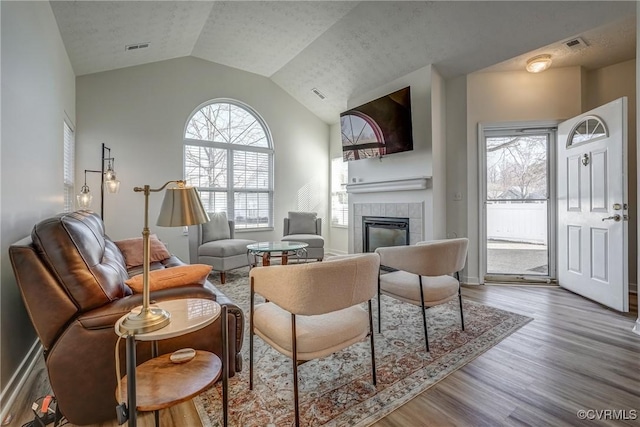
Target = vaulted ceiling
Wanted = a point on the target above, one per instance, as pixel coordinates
(344, 48)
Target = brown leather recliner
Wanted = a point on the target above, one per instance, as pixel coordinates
(71, 276)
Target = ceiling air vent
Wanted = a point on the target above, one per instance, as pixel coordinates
(575, 44)
(137, 46)
(318, 93)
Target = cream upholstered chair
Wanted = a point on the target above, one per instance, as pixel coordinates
(214, 243)
(423, 276)
(314, 309)
(305, 227)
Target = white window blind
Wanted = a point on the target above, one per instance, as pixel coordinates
(339, 197)
(69, 160)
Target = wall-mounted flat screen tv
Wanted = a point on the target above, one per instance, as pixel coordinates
(378, 128)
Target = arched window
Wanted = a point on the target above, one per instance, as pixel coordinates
(361, 137)
(228, 156)
(589, 129)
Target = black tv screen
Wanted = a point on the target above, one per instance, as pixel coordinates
(378, 128)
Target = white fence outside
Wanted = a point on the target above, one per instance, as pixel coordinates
(517, 222)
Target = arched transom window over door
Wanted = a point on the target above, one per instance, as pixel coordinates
(590, 129)
(228, 156)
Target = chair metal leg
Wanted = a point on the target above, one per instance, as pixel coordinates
(379, 310)
(461, 314)
(294, 351)
(225, 366)
(424, 313)
(460, 298)
(373, 348)
(251, 339)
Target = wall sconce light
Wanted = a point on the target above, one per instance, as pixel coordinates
(539, 63)
(109, 181)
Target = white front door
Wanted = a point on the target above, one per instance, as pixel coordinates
(592, 205)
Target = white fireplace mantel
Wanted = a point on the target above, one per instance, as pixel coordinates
(399, 184)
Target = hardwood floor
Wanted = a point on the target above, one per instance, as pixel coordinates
(575, 355)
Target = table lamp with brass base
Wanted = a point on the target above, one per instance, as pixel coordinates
(181, 207)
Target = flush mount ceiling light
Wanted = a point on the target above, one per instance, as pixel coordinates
(539, 63)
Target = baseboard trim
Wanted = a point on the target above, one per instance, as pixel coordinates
(19, 378)
(469, 280)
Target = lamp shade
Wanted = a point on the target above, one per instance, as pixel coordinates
(84, 198)
(181, 206)
(113, 185)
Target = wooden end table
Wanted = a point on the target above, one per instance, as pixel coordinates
(159, 383)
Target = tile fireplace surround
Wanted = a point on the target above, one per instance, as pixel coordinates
(413, 211)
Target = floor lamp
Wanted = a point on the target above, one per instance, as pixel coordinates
(181, 207)
(109, 181)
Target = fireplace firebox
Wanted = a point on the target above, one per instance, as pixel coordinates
(384, 231)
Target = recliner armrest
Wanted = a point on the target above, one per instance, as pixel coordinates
(232, 310)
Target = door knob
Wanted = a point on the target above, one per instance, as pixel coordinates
(615, 217)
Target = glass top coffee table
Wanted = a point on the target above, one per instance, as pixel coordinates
(266, 250)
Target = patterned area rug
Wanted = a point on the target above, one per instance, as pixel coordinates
(338, 390)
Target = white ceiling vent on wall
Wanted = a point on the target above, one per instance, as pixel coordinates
(575, 43)
(318, 93)
(137, 46)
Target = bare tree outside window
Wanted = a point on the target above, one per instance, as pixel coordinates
(228, 156)
(517, 167)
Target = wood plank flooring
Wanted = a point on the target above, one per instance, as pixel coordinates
(575, 355)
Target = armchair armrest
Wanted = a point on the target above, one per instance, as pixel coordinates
(195, 240)
(237, 313)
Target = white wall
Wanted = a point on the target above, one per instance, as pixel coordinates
(439, 154)
(506, 97)
(140, 113)
(400, 165)
(456, 156)
(38, 92)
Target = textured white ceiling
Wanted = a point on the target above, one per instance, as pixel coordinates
(606, 45)
(343, 48)
(261, 37)
(95, 32)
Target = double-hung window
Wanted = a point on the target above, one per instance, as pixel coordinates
(228, 157)
(68, 167)
(339, 197)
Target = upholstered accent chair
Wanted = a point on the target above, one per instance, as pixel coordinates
(305, 227)
(424, 275)
(314, 309)
(214, 243)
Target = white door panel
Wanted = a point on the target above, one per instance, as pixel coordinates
(592, 190)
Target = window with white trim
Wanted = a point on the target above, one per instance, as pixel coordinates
(228, 157)
(339, 197)
(69, 144)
